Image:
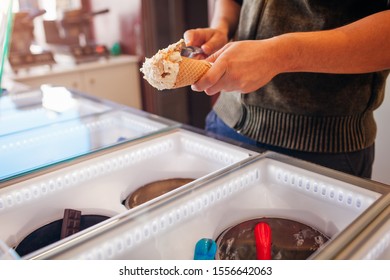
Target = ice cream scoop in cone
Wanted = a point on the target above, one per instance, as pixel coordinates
(168, 69)
(190, 71)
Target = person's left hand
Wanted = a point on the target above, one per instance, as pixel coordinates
(242, 66)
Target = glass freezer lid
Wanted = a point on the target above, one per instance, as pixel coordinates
(33, 149)
(44, 106)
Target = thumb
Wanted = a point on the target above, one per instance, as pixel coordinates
(211, 46)
(193, 37)
(216, 42)
(188, 37)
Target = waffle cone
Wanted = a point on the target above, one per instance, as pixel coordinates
(190, 71)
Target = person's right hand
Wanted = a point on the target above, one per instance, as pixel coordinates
(209, 39)
(244, 66)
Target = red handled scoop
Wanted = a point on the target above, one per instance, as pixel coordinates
(263, 238)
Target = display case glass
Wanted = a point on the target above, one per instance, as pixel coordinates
(20, 111)
(46, 126)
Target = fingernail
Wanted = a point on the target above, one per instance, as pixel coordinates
(194, 88)
(206, 49)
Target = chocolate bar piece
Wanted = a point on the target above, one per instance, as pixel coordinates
(70, 222)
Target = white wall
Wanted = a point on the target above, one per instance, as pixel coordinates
(381, 171)
(121, 24)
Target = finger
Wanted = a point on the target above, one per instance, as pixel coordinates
(206, 91)
(189, 37)
(213, 57)
(207, 49)
(194, 37)
(213, 45)
(223, 84)
(213, 90)
(212, 76)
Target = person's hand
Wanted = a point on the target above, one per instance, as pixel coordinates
(242, 66)
(209, 39)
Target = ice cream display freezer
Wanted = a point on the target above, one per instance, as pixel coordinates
(82, 178)
(98, 184)
(267, 185)
(45, 126)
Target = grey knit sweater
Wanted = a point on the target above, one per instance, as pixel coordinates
(311, 112)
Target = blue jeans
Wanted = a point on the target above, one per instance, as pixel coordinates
(357, 163)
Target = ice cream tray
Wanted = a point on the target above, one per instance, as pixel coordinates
(267, 185)
(98, 183)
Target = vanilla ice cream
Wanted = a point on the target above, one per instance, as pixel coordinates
(162, 69)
